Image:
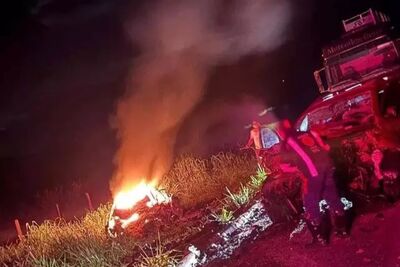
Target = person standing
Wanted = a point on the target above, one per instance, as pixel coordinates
(255, 139)
(308, 152)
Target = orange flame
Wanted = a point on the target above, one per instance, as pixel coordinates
(126, 199)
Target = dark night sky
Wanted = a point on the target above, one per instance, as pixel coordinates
(63, 64)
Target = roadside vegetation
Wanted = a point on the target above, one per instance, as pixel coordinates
(196, 181)
(84, 242)
(233, 201)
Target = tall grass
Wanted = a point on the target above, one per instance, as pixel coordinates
(245, 193)
(242, 197)
(84, 242)
(59, 243)
(158, 256)
(196, 181)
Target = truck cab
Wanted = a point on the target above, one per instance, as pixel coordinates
(359, 83)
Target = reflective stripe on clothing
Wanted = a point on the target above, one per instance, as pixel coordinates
(303, 155)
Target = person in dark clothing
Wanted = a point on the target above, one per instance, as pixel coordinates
(310, 155)
(387, 168)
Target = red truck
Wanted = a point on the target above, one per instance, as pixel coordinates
(359, 84)
(358, 110)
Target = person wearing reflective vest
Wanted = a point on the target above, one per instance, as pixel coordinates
(308, 152)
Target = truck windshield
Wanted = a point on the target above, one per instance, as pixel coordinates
(357, 64)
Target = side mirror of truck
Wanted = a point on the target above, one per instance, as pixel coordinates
(321, 81)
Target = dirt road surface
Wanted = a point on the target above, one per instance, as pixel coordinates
(374, 241)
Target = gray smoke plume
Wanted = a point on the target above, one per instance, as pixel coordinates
(180, 42)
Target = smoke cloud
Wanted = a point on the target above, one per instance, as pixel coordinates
(220, 125)
(180, 42)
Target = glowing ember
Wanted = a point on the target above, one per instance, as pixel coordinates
(131, 219)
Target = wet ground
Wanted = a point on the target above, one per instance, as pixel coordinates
(374, 241)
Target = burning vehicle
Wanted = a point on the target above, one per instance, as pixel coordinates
(132, 208)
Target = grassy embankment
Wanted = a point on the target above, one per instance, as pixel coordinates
(84, 242)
